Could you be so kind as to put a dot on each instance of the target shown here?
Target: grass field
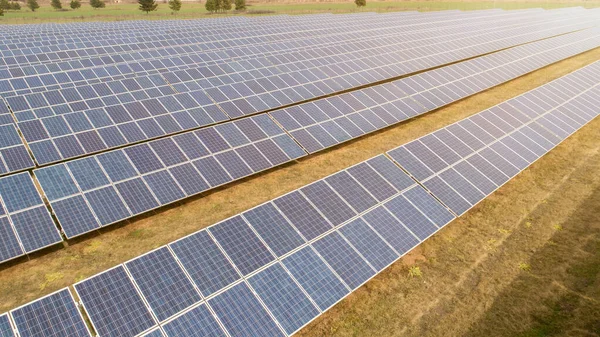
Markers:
(538, 232)
(116, 12)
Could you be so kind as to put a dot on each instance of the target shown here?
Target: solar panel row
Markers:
(330, 121)
(254, 274)
(120, 50)
(96, 191)
(76, 128)
(26, 79)
(25, 223)
(465, 162)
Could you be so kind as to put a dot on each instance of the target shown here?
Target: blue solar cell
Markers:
(410, 163)
(274, 229)
(240, 243)
(351, 267)
(44, 152)
(6, 329)
(253, 158)
(163, 283)
(35, 228)
(289, 146)
(168, 152)
(87, 173)
(322, 285)
(164, 187)
(462, 186)
(191, 145)
(429, 206)
(113, 304)
(55, 315)
(198, 322)
(18, 192)
(351, 191)
(116, 165)
(242, 314)
(447, 195)
(137, 195)
(372, 181)
(143, 158)
(107, 205)
(9, 247)
(391, 172)
(272, 152)
(205, 263)
(9, 136)
(282, 296)
(17, 158)
(189, 179)
(302, 215)
(369, 244)
(212, 171)
(74, 216)
(414, 220)
(328, 202)
(69, 147)
(233, 164)
(56, 182)
(392, 230)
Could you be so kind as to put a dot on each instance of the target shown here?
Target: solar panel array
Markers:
(330, 121)
(270, 270)
(96, 191)
(463, 163)
(297, 255)
(99, 190)
(72, 122)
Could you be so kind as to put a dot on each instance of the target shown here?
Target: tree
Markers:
(1, 12)
(4, 5)
(175, 5)
(97, 4)
(147, 5)
(15, 6)
(75, 4)
(56, 4)
(211, 5)
(360, 3)
(225, 5)
(240, 5)
(33, 5)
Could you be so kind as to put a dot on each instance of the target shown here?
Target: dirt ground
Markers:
(524, 262)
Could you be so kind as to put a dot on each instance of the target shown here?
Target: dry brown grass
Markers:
(391, 304)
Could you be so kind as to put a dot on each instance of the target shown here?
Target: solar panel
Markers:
(208, 267)
(53, 315)
(284, 298)
(346, 262)
(370, 245)
(114, 306)
(322, 285)
(6, 329)
(243, 247)
(273, 228)
(28, 225)
(242, 314)
(163, 283)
